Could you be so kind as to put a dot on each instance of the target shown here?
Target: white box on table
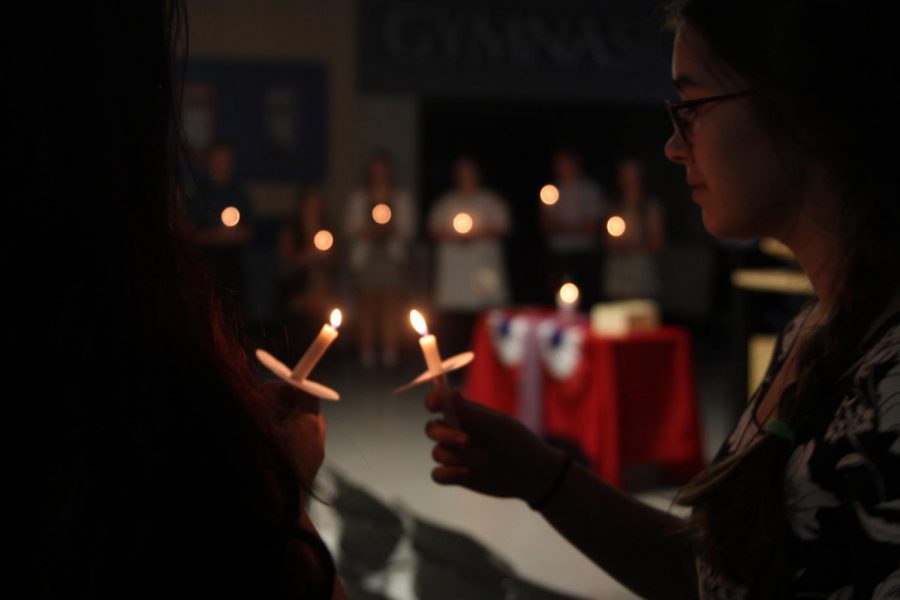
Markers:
(624, 317)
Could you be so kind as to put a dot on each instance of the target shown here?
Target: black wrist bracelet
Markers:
(544, 498)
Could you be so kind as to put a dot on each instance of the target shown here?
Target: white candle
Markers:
(316, 350)
(428, 343)
(429, 346)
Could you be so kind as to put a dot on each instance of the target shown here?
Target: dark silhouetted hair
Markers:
(146, 454)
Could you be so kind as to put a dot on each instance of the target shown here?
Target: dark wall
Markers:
(274, 113)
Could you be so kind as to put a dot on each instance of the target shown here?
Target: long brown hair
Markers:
(147, 454)
(826, 74)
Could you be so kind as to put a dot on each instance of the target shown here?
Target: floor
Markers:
(376, 440)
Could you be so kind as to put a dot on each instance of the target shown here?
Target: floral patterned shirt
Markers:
(842, 484)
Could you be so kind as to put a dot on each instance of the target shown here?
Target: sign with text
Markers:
(614, 50)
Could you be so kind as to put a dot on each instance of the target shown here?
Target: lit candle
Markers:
(381, 213)
(463, 223)
(323, 240)
(615, 226)
(567, 298)
(428, 343)
(231, 216)
(432, 355)
(313, 354)
(549, 194)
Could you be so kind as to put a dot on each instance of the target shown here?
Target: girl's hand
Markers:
(489, 452)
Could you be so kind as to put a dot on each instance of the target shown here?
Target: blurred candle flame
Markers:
(569, 293)
(336, 318)
(615, 226)
(463, 223)
(381, 213)
(549, 194)
(323, 240)
(231, 216)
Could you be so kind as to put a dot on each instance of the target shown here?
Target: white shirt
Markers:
(359, 213)
(470, 270)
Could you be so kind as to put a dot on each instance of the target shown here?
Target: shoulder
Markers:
(872, 406)
(882, 355)
(788, 337)
(746, 431)
(858, 456)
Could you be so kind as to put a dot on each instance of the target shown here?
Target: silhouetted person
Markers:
(380, 224)
(572, 226)
(155, 465)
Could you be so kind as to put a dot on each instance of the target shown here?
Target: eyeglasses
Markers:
(684, 113)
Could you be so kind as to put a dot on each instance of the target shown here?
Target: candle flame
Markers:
(615, 226)
(231, 216)
(569, 293)
(381, 213)
(549, 194)
(463, 223)
(418, 322)
(336, 318)
(323, 240)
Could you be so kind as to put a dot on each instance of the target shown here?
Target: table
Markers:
(630, 400)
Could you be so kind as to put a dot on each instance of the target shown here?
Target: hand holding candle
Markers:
(429, 346)
(437, 368)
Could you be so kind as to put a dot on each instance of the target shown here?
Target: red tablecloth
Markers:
(631, 400)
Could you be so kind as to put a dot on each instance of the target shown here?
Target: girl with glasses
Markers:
(784, 130)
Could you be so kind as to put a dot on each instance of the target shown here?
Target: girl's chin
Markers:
(724, 230)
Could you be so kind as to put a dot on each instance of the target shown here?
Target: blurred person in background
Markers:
(572, 225)
(308, 259)
(380, 225)
(632, 269)
(153, 464)
(468, 225)
(221, 212)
